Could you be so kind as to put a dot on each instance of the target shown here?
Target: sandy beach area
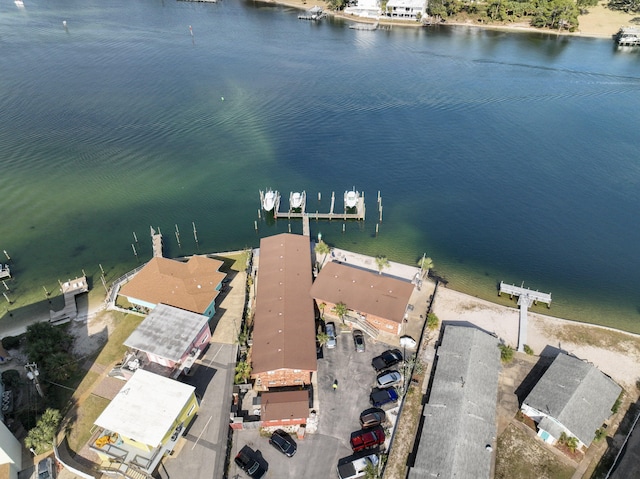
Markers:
(599, 22)
(614, 352)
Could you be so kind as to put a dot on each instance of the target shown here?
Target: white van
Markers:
(352, 467)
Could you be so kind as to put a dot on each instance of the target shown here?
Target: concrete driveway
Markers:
(338, 412)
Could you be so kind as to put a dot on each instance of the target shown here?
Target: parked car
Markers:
(388, 378)
(331, 332)
(358, 340)
(355, 466)
(248, 462)
(389, 358)
(372, 417)
(380, 397)
(45, 469)
(367, 438)
(283, 443)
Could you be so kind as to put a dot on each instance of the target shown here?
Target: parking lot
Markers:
(338, 412)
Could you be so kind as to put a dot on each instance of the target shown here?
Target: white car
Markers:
(331, 332)
(388, 378)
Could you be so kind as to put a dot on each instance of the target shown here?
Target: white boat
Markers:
(269, 200)
(19, 3)
(628, 36)
(296, 199)
(351, 198)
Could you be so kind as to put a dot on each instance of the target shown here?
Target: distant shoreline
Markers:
(598, 23)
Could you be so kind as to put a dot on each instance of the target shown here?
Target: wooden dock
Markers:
(526, 297)
(70, 290)
(156, 239)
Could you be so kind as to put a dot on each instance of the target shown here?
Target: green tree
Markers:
(371, 471)
(49, 347)
(340, 310)
(243, 372)
(382, 262)
(322, 338)
(432, 322)
(506, 353)
(336, 4)
(41, 437)
(572, 443)
(628, 6)
(321, 307)
(323, 249)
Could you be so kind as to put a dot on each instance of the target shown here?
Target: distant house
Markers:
(10, 454)
(406, 9)
(169, 337)
(144, 422)
(283, 352)
(458, 432)
(364, 8)
(573, 397)
(286, 408)
(192, 285)
(379, 299)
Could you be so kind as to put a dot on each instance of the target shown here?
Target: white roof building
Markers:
(146, 407)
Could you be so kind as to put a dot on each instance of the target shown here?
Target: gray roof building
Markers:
(572, 395)
(459, 428)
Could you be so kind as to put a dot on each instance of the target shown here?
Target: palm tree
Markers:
(322, 248)
(341, 310)
(382, 262)
(321, 306)
(322, 338)
(243, 372)
(425, 263)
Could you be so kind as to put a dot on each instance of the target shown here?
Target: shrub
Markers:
(11, 379)
(432, 322)
(528, 350)
(506, 353)
(11, 342)
(40, 438)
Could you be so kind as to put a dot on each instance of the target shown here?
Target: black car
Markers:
(246, 460)
(387, 359)
(379, 397)
(283, 443)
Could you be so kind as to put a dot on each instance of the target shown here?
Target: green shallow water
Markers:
(504, 157)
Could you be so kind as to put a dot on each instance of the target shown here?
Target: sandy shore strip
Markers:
(600, 22)
(614, 352)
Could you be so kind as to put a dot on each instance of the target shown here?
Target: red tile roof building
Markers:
(381, 300)
(283, 352)
(192, 285)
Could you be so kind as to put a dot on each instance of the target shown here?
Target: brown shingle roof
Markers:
(363, 291)
(284, 332)
(284, 405)
(191, 285)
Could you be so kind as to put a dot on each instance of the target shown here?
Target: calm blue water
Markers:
(503, 156)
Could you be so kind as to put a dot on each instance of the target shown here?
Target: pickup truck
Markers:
(379, 397)
(367, 438)
(353, 466)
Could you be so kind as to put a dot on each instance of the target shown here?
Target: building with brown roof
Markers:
(286, 408)
(283, 352)
(380, 300)
(192, 285)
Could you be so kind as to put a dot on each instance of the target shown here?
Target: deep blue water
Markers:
(503, 156)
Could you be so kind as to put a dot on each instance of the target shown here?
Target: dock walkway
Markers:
(156, 239)
(526, 297)
(70, 290)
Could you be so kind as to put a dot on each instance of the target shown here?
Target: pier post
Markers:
(178, 239)
(5, 285)
(319, 196)
(6, 297)
(135, 237)
(333, 202)
(380, 213)
(134, 252)
(195, 233)
(255, 225)
(343, 227)
(6, 254)
(46, 293)
(102, 270)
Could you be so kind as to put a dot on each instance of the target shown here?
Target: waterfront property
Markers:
(143, 423)
(283, 352)
(526, 297)
(380, 301)
(458, 432)
(193, 285)
(70, 289)
(364, 8)
(572, 397)
(170, 339)
(406, 9)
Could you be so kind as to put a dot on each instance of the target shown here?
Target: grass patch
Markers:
(596, 337)
(235, 262)
(520, 456)
(81, 427)
(114, 349)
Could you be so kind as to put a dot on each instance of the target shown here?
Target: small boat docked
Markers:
(296, 200)
(269, 200)
(351, 198)
(628, 36)
(5, 272)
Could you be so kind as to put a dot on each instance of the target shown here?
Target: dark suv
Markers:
(372, 417)
(283, 443)
(379, 397)
(246, 460)
(389, 358)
